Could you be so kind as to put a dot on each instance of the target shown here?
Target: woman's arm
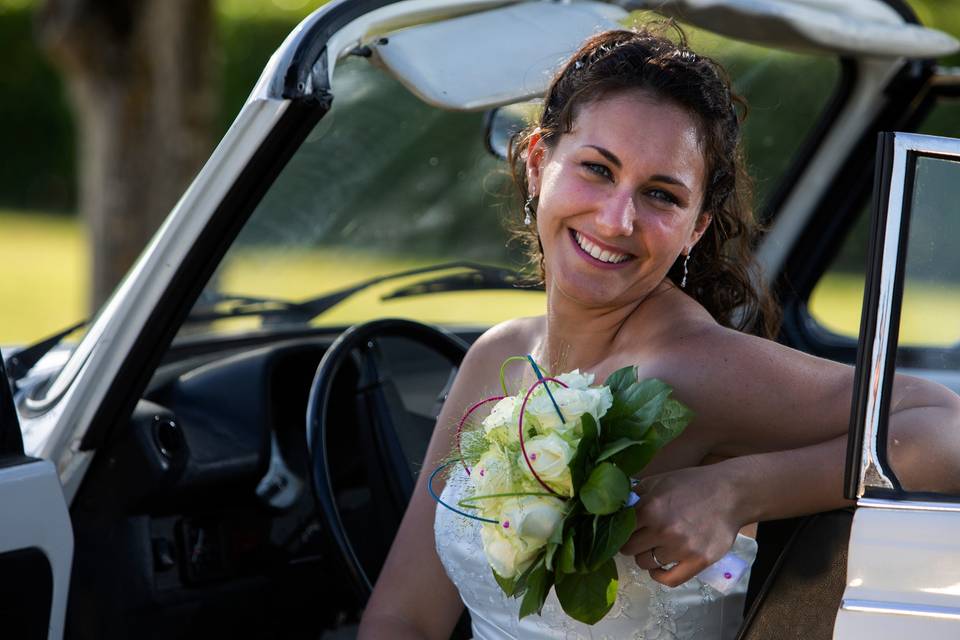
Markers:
(693, 515)
(413, 597)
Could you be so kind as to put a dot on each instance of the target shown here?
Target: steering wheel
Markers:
(378, 401)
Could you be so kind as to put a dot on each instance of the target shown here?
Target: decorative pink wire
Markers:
(464, 419)
(522, 446)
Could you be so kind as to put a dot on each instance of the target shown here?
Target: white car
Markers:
(228, 448)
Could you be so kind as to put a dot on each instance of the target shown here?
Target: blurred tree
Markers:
(140, 75)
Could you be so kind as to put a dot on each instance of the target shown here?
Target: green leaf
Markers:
(539, 582)
(634, 459)
(551, 551)
(585, 451)
(508, 585)
(589, 426)
(605, 491)
(567, 554)
(613, 531)
(587, 597)
(620, 379)
(615, 447)
(673, 419)
(522, 579)
(646, 396)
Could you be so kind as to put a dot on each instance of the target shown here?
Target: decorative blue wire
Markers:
(536, 370)
(433, 494)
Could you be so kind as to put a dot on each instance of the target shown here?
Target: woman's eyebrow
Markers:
(669, 180)
(615, 161)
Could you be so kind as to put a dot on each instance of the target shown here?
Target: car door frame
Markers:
(36, 539)
(898, 536)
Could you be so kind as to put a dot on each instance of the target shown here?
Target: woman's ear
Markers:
(535, 157)
(703, 221)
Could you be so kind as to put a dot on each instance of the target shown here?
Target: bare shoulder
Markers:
(751, 394)
(513, 337)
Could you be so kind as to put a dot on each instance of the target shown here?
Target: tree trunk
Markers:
(140, 75)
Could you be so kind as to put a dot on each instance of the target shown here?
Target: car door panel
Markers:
(36, 550)
(36, 538)
(903, 569)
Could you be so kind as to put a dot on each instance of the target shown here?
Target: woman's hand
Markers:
(690, 517)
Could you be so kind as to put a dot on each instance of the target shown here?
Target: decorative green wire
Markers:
(465, 502)
(503, 367)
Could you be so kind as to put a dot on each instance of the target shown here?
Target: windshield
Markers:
(386, 183)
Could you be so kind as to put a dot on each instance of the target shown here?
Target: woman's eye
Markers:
(598, 169)
(662, 194)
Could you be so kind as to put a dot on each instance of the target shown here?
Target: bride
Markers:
(637, 218)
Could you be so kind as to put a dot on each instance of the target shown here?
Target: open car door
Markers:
(903, 567)
(36, 539)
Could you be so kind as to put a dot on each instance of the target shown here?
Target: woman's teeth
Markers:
(602, 255)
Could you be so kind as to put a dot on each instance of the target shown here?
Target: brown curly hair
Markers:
(723, 273)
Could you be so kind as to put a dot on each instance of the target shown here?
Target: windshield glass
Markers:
(386, 183)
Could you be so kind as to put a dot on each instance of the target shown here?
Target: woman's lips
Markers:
(604, 253)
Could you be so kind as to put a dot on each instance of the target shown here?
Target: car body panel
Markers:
(903, 574)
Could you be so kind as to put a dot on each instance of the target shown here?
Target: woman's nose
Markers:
(617, 215)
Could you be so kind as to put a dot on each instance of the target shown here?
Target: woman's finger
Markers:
(641, 541)
(655, 559)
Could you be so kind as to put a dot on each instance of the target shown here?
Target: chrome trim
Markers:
(873, 474)
(901, 609)
(909, 505)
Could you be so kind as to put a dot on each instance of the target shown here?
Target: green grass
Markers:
(46, 282)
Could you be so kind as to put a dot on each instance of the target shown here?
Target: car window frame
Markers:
(868, 473)
(800, 328)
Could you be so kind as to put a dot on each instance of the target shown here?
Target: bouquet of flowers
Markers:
(549, 475)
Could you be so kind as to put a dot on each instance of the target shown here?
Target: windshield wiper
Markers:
(489, 278)
(478, 276)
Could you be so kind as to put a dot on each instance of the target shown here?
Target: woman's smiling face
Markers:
(620, 197)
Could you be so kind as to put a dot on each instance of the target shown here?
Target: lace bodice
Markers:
(644, 609)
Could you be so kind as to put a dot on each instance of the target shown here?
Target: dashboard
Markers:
(199, 515)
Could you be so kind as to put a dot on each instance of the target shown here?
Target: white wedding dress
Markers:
(644, 609)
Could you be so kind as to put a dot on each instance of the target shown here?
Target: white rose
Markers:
(576, 380)
(508, 555)
(550, 457)
(573, 403)
(491, 475)
(501, 425)
(532, 518)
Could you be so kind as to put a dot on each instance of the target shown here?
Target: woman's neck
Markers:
(583, 338)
